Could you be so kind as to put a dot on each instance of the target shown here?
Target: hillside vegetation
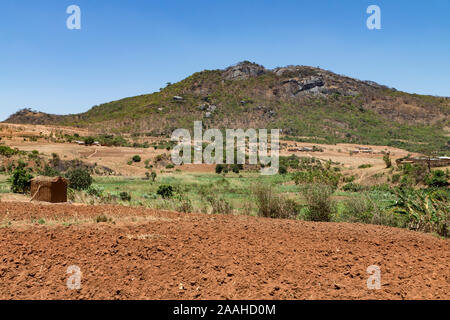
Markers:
(308, 104)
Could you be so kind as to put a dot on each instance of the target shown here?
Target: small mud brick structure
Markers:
(49, 189)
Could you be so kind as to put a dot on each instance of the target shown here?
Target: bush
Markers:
(282, 169)
(220, 205)
(50, 172)
(185, 206)
(270, 205)
(396, 178)
(358, 209)
(7, 151)
(89, 141)
(170, 166)
(125, 196)
(235, 168)
(352, 187)
(317, 175)
(426, 211)
(219, 168)
(165, 191)
(438, 178)
(103, 218)
(95, 191)
(20, 180)
(387, 160)
(136, 158)
(79, 179)
(319, 204)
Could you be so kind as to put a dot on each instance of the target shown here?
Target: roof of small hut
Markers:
(43, 179)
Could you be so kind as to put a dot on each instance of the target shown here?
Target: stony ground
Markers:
(147, 254)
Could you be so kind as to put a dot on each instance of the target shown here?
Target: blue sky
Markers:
(127, 48)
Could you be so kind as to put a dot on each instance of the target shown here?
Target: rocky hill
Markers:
(307, 103)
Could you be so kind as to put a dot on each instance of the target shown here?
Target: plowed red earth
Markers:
(145, 254)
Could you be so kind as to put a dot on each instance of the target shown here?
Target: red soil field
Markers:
(148, 254)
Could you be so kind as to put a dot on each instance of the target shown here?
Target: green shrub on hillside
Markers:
(125, 196)
(271, 205)
(387, 161)
(79, 179)
(437, 178)
(219, 205)
(165, 191)
(320, 206)
(7, 151)
(20, 180)
(427, 211)
(358, 209)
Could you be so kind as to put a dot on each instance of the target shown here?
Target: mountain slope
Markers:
(306, 102)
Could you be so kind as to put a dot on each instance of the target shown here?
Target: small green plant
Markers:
(102, 218)
(7, 151)
(89, 141)
(235, 168)
(50, 172)
(185, 206)
(165, 191)
(387, 160)
(219, 168)
(396, 178)
(95, 191)
(136, 158)
(219, 205)
(352, 187)
(437, 178)
(125, 196)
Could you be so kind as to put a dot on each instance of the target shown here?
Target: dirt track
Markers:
(162, 255)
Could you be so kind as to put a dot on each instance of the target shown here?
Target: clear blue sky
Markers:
(132, 47)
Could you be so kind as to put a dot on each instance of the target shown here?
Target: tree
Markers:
(136, 158)
(20, 180)
(79, 179)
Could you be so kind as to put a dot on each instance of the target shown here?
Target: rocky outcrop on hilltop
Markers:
(243, 70)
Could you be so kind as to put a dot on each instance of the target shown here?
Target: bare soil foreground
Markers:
(147, 254)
